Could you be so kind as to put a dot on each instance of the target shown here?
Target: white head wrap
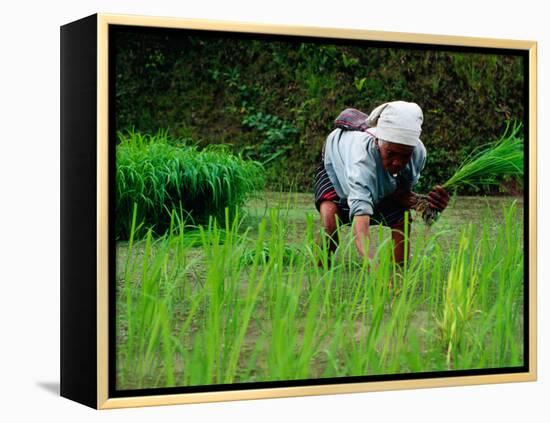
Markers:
(399, 122)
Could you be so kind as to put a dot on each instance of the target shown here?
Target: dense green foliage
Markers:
(160, 175)
(276, 101)
(243, 304)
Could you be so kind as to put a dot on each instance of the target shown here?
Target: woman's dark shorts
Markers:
(387, 213)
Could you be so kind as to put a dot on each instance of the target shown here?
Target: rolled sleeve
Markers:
(360, 208)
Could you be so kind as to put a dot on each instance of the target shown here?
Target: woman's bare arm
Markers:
(361, 232)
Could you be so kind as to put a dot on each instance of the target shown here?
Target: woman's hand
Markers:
(438, 198)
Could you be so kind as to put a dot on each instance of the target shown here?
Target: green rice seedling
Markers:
(480, 320)
(148, 289)
(160, 176)
(462, 281)
(504, 322)
(191, 311)
(486, 166)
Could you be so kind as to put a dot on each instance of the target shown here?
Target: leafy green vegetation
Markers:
(277, 135)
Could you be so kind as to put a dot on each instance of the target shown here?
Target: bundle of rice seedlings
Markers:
(486, 166)
(160, 175)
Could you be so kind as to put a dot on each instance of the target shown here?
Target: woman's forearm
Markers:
(361, 232)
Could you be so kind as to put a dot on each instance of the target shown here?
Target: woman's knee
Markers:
(328, 211)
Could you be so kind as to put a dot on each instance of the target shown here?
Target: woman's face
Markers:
(394, 156)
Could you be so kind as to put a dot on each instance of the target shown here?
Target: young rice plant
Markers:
(159, 176)
(191, 311)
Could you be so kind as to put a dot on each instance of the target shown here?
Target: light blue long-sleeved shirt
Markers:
(354, 166)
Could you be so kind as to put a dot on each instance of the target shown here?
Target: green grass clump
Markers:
(159, 176)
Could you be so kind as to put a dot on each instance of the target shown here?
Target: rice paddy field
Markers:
(254, 297)
(221, 274)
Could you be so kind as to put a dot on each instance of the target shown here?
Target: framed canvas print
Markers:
(255, 211)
